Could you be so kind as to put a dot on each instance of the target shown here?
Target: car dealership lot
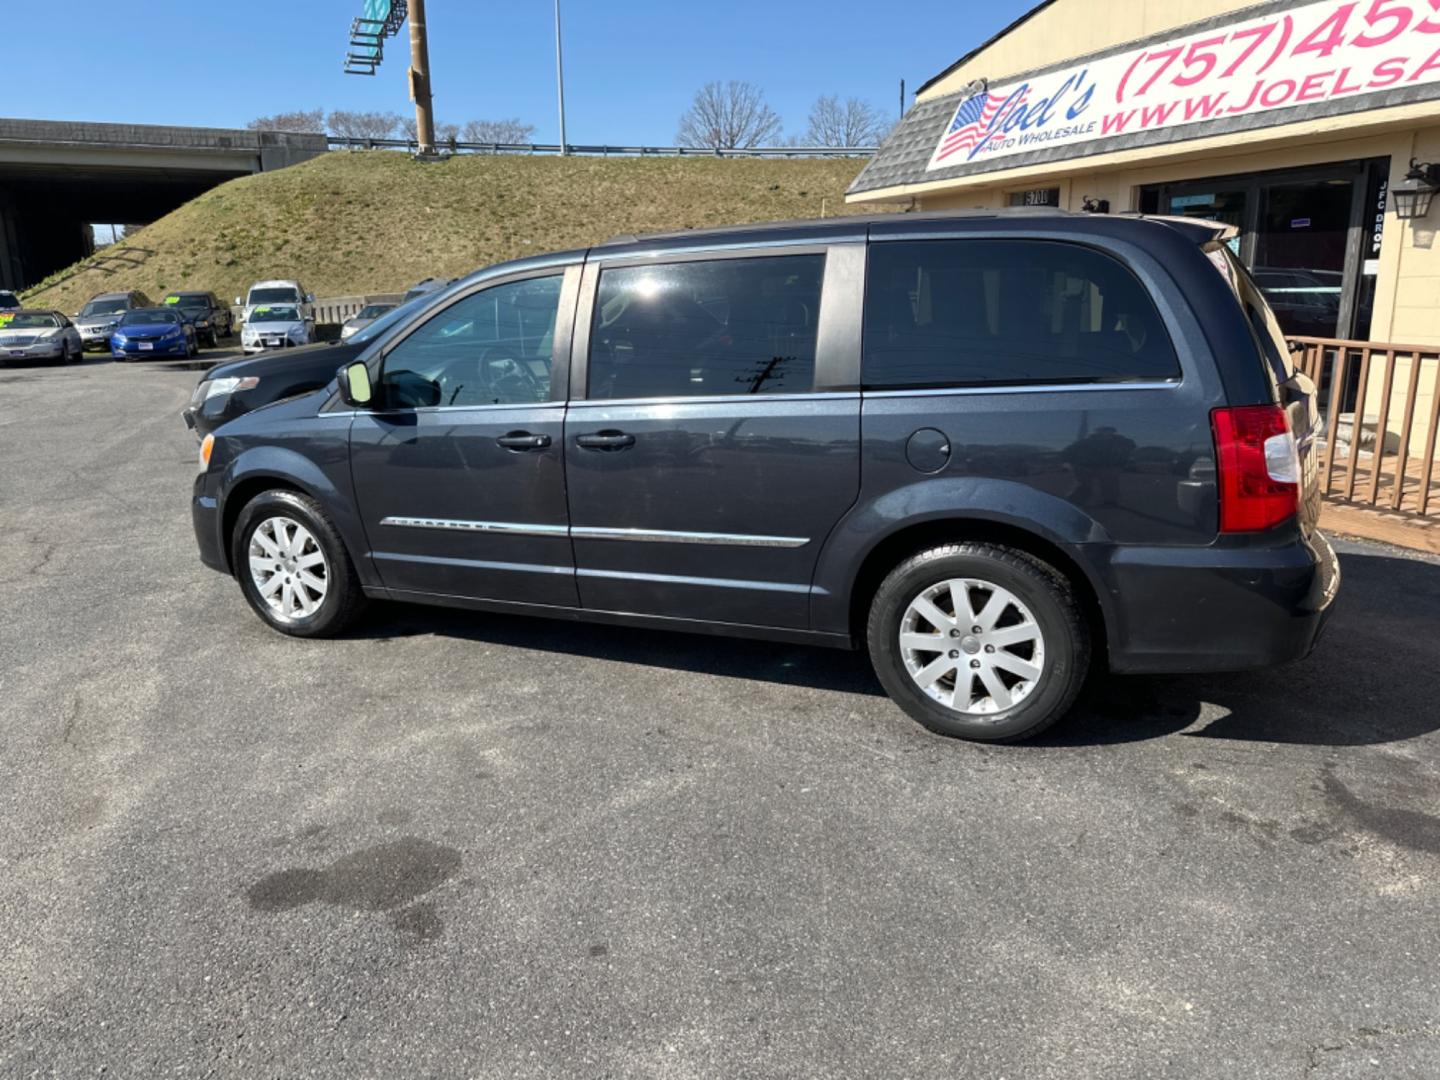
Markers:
(457, 844)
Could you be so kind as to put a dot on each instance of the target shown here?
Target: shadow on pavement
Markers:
(1370, 680)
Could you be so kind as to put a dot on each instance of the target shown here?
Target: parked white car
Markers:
(277, 292)
(276, 326)
(38, 335)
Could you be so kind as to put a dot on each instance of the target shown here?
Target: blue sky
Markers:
(631, 65)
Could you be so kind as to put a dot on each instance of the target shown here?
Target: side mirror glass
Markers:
(354, 381)
(309, 298)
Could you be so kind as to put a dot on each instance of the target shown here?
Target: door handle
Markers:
(523, 440)
(605, 440)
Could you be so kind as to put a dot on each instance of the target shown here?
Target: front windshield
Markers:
(374, 311)
(148, 318)
(275, 314)
(389, 319)
(32, 321)
(104, 307)
(189, 301)
(274, 296)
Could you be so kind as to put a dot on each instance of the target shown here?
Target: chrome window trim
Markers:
(1038, 388)
(717, 399)
(581, 532)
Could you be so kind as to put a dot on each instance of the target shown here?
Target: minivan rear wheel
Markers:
(293, 567)
(979, 641)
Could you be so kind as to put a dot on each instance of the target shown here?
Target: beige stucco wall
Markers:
(1070, 28)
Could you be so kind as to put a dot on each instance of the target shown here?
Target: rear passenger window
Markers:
(723, 326)
(978, 312)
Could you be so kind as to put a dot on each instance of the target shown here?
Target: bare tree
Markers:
(728, 116)
(306, 121)
(511, 131)
(849, 123)
(362, 125)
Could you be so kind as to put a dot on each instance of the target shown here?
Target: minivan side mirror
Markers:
(354, 381)
(239, 301)
(309, 298)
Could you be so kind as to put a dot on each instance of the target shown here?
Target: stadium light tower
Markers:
(382, 19)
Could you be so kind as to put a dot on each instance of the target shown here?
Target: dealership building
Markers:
(1297, 122)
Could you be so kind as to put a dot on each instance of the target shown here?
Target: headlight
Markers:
(221, 387)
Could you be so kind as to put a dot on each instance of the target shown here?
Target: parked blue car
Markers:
(150, 332)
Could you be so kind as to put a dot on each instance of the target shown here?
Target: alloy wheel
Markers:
(288, 568)
(972, 645)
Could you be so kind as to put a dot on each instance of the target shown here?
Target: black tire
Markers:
(344, 599)
(1047, 594)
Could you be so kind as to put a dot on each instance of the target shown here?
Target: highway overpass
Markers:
(56, 177)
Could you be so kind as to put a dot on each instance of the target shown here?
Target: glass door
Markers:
(1310, 236)
(1300, 250)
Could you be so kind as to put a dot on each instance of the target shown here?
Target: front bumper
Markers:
(33, 352)
(1181, 610)
(95, 339)
(205, 516)
(133, 349)
(250, 348)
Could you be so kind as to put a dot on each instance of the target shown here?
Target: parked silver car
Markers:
(367, 315)
(98, 318)
(38, 335)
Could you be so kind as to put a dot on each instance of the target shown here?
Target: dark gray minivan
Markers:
(992, 448)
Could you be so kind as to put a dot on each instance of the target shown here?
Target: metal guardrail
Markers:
(336, 309)
(338, 142)
(1380, 404)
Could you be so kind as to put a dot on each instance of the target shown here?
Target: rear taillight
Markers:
(1258, 467)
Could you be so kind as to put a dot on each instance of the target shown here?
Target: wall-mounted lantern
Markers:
(1411, 197)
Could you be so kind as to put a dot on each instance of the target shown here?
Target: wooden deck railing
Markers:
(1380, 405)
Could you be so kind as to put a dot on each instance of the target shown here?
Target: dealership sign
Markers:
(1316, 52)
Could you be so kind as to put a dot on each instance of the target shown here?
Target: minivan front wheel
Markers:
(293, 566)
(979, 641)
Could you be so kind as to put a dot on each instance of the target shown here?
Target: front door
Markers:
(704, 471)
(459, 470)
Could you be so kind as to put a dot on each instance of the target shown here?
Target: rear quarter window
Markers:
(942, 313)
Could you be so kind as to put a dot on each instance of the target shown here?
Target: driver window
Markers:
(491, 348)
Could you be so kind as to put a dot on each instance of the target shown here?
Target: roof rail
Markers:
(840, 220)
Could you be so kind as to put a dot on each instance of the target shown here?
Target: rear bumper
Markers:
(1180, 610)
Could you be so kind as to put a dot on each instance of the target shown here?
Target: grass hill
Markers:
(367, 222)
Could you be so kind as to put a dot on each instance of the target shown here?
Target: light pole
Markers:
(420, 79)
(560, 78)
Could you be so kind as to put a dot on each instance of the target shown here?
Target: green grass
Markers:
(367, 222)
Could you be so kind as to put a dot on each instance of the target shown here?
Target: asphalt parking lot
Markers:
(464, 845)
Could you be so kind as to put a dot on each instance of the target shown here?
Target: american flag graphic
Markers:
(970, 128)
